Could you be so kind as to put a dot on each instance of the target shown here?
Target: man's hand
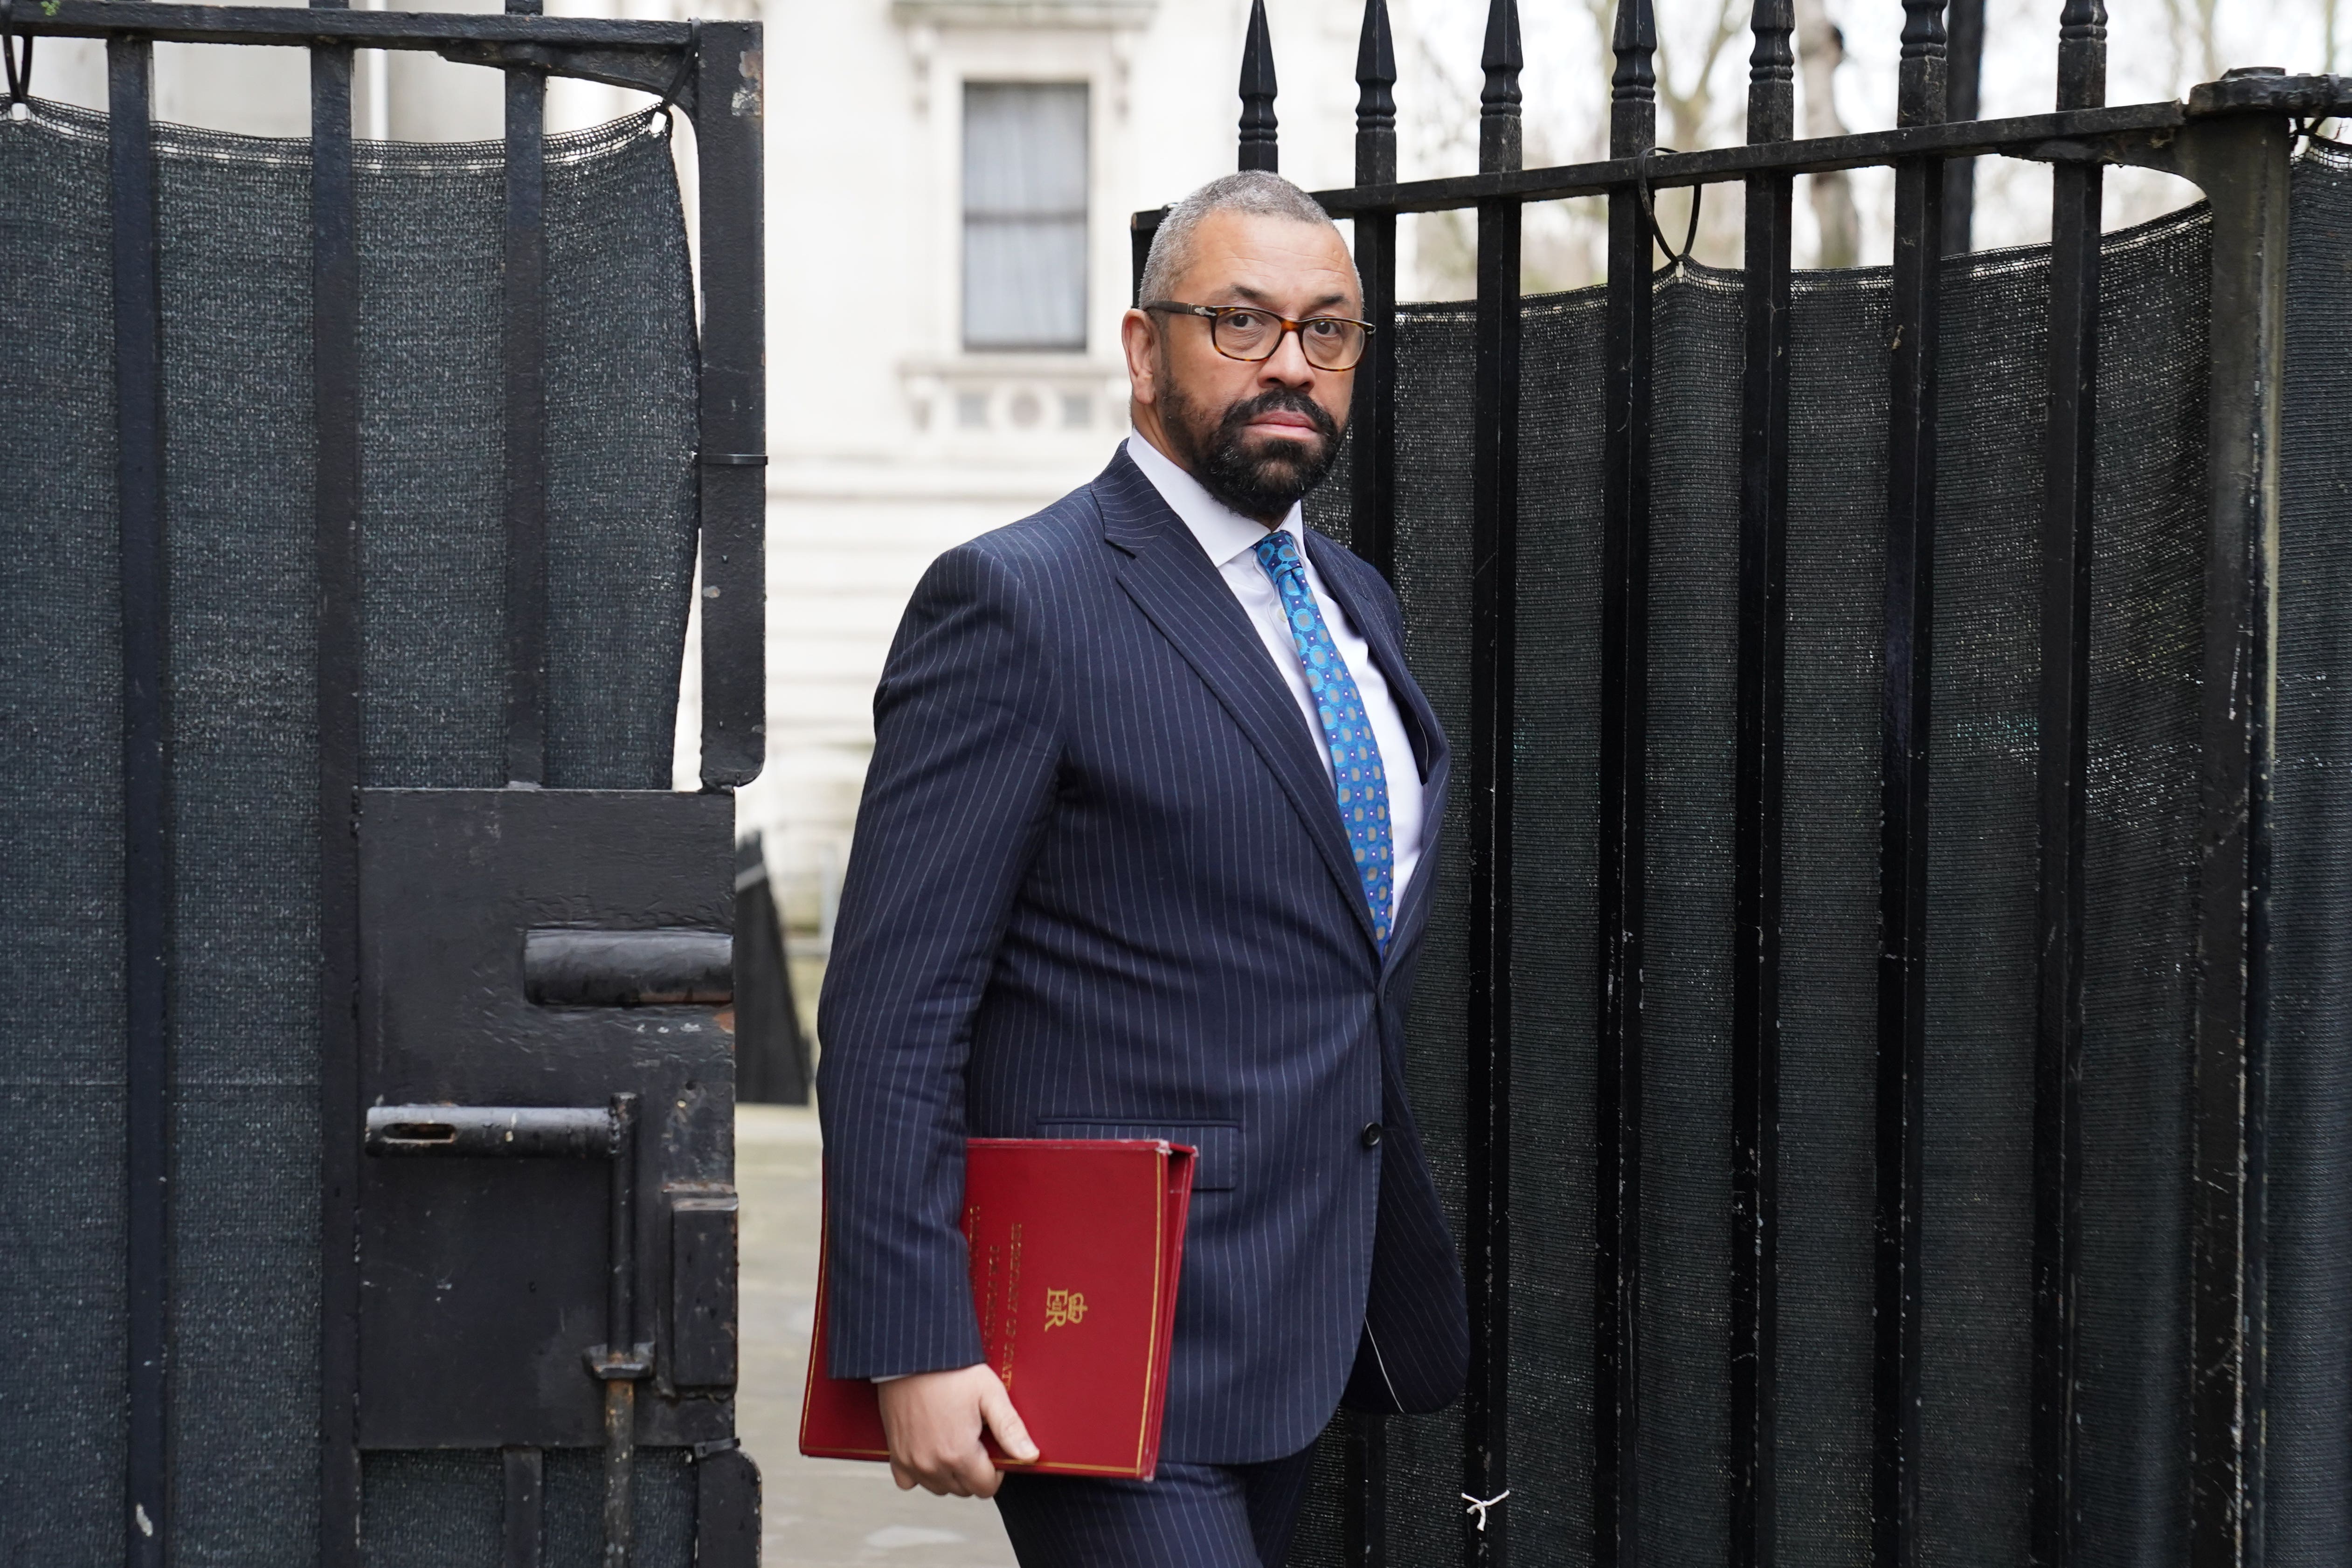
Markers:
(934, 1421)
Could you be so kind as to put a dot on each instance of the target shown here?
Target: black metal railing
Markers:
(2233, 139)
(710, 72)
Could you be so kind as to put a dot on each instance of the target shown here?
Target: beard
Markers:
(1264, 485)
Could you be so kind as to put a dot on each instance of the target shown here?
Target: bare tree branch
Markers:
(1604, 24)
(2195, 48)
(2328, 12)
(1690, 108)
(1821, 49)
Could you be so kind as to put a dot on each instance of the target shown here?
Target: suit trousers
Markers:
(1188, 1516)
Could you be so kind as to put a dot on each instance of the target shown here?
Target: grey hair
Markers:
(1255, 191)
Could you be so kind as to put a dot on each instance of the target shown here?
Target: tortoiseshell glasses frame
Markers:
(1248, 333)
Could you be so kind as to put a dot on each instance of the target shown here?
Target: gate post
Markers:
(2069, 469)
(1371, 510)
(1624, 749)
(2237, 147)
(2241, 163)
(1493, 606)
(728, 112)
(1259, 149)
(1756, 786)
(525, 347)
(335, 375)
(1903, 852)
(145, 574)
(1371, 533)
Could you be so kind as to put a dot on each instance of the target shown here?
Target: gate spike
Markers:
(2083, 55)
(1921, 98)
(1376, 75)
(1499, 103)
(1259, 150)
(1773, 73)
(1634, 85)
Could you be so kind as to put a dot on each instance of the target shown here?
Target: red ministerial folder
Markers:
(1076, 1248)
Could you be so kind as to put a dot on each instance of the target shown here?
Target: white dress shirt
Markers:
(1231, 543)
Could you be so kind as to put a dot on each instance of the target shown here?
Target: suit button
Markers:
(1372, 1134)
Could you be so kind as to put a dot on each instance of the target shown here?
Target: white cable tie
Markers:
(1479, 1507)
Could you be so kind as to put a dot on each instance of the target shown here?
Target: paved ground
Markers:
(820, 1513)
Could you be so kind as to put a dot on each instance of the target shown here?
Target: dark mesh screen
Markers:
(2147, 595)
(1977, 1235)
(1686, 1233)
(1828, 910)
(1977, 1240)
(235, 234)
(235, 222)
(1554, 1003)
(617, 304)
(61, 1015)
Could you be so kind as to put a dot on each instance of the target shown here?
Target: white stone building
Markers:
(949, 184)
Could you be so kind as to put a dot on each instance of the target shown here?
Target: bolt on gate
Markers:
(1922, 1249)
(523, 1213)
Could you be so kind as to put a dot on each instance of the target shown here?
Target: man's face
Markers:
(1258, 435)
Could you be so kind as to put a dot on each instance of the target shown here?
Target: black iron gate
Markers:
(525, 1240)
(1785, 1244)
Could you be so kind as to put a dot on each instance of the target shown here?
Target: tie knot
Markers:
(1277, 554)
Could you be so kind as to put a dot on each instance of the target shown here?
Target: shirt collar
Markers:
(1222, 532)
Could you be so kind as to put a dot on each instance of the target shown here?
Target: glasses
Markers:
(1246, 332)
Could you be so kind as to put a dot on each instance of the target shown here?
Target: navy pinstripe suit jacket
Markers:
(1100, 889)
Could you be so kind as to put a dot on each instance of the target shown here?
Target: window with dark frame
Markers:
(1024, 215)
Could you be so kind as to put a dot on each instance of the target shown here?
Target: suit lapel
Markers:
(1179, 591)
(1338, 575)
(1414, 911)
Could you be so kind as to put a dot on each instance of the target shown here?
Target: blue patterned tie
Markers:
(1355, 756)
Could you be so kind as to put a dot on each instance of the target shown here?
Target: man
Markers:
(1146, 851)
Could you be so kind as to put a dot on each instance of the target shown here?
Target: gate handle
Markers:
(512, 1131)
(571, 968)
